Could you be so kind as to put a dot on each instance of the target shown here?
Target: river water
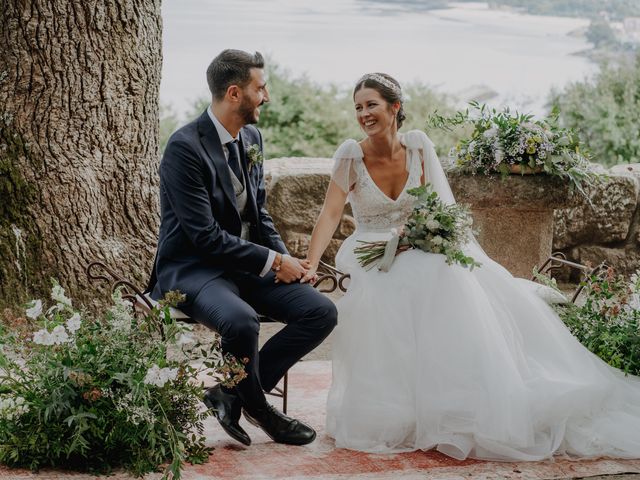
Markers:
(462, 50)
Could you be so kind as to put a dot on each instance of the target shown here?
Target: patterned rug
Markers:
(308, 385)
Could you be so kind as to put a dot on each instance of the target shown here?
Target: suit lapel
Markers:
(211, 142)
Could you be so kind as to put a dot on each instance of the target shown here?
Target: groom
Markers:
(218, 245)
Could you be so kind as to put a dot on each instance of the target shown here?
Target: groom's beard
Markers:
(247, 112)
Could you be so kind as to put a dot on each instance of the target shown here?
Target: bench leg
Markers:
(282, 392)
(285, 392)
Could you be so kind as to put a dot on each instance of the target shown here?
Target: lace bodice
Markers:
(372, 209)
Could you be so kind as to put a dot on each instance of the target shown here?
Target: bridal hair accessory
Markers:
(376, 77)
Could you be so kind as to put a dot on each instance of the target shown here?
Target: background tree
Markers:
(305, 119)
(605, 112)
(79, 83)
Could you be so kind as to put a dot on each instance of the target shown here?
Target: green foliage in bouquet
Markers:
(608, 321)
(106, 392)
(502, 140)
(433, 227)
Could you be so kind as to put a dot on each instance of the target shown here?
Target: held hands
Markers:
(288, 269)
(312, 272)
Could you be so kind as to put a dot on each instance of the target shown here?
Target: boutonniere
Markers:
(254, 154)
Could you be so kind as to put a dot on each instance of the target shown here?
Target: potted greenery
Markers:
(508, 142)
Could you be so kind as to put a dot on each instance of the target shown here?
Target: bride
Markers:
(429, 355)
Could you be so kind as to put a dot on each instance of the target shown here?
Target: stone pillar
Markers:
(514, 215)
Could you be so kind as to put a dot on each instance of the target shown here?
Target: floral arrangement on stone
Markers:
(505, 142)
(432, 226)
(112, 391)
(606, 319)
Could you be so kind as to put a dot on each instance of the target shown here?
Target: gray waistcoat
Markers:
(241, 202)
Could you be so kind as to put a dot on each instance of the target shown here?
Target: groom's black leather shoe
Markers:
(279, 427)
(226, 408)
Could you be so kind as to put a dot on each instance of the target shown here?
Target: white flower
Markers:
(185, 339)
(42, 337)
(437, 240)
(57, 294)
(492, 132)
(12, 408)
(120, 313)
(35, 309)
(159, 376)
(59, 335)
(73, 324)
(433, 224)
(634, 302)
(136, 414)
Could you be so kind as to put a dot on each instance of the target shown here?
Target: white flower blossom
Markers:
(121, 313)
(59, 335)
(432, 224)
(498, 155)
(12, 408)
(42, 337)
(136, 414)
(35, 309)
(57, 294)
(159, 376)
(492, 132)
(437, 240)
(73, 324)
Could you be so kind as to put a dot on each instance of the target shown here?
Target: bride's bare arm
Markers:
(325, 227)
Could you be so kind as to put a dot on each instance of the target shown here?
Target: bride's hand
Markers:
(311, 276)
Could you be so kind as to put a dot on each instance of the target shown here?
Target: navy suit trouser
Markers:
(230, 305)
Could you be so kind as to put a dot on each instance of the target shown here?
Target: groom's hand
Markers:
(290, 270)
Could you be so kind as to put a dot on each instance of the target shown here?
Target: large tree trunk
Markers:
(79, 83)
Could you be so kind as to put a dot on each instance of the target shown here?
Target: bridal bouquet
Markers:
(433, 227)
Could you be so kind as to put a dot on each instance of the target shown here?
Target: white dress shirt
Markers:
(225, 137)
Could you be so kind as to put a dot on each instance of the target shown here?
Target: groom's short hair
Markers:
(231, 67)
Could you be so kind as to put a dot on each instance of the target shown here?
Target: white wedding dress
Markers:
(474, 364)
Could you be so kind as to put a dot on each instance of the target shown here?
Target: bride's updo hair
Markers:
(388, 88)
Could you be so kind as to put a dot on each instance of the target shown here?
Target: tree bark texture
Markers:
(79, 82)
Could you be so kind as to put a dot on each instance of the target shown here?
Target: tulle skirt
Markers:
(473, 364)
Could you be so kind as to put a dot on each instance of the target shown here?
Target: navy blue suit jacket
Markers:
(200, 225)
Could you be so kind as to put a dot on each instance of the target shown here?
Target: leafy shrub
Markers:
(305, 119)
(101, 393)
(608, 322)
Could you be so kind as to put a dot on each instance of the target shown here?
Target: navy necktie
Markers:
(234, 159)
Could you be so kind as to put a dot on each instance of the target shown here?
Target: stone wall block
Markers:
(623, 260)
(347, 227)
(298, 246)
(296, 189)
(608, 219)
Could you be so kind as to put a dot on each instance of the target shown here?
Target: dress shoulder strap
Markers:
(345, 162)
